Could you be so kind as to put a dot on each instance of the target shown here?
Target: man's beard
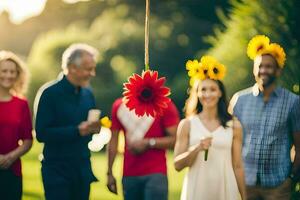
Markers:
(271, 79)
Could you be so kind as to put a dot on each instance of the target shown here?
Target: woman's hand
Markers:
(7, 160)
(205, 144)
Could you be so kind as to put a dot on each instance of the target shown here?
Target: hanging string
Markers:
(147, 35)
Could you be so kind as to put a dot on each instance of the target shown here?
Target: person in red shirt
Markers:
(146, 141)
(15, 124)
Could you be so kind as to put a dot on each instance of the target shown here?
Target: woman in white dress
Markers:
(210, 128)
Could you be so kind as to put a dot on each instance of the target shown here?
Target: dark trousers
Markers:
(281, 192)
(10, 185)
(149, 187)
(64, 181)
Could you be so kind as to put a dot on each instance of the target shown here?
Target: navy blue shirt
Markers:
(61, 108)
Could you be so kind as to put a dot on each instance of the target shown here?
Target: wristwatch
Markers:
(152, 142)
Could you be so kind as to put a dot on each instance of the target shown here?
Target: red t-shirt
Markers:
(15, 125)
(153, 160)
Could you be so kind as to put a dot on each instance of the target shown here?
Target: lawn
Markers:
(32, 181)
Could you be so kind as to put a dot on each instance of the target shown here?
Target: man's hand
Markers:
(87, 128)
(112, 184)
(138, 146)
(7, 160)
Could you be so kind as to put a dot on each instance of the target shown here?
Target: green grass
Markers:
(32, 180)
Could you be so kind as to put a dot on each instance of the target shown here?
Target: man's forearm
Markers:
(112, 150)
(111, 159)
(166, 142)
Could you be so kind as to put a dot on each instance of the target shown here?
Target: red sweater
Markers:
(15, 125)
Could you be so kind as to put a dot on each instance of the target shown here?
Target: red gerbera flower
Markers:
(146, 94)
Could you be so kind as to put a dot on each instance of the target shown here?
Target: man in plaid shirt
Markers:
(270, 116)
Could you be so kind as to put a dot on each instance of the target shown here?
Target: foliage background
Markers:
(179, 30)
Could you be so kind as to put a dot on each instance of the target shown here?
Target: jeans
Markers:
(149, 187)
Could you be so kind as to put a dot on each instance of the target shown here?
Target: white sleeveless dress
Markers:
(213, 179)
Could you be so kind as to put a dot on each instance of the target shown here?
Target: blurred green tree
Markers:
(118, 33)
(276, 19)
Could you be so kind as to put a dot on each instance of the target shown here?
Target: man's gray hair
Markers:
(73, 54)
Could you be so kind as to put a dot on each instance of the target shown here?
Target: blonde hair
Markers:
(20, 86)
(191, 103)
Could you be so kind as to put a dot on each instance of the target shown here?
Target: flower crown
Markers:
(260, 45)
(208, 67)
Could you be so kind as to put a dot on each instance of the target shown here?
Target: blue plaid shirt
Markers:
(267, 129)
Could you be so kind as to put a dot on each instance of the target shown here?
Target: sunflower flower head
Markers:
(146, 94)
(208, 67)
(260, 45)
(257, 46)
(217, 71)
(208, 60)
(193, 68)
(278, 53)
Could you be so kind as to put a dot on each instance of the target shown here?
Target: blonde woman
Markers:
(208, 140)
(15, 124)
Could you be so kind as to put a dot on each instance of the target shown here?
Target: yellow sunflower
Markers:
(208, 61)
(217, 71)
(203, 73)
(278, 53)
(257, 46)
(193, 67)
(208, 67)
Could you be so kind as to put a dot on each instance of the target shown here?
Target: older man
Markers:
(61, 124)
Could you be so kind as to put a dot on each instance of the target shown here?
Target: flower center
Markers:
(260, 47)
(146, 94)
(205, 71)
(215, 70)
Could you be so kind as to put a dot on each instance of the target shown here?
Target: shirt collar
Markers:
(257, 92)
(276, 92)
(69, 87)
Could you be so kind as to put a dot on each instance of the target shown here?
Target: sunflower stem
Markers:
(206, 155)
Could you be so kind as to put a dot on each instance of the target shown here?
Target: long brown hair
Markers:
(193, 106)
